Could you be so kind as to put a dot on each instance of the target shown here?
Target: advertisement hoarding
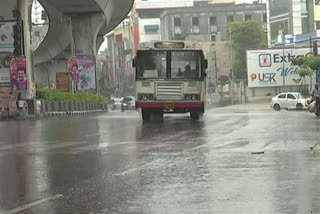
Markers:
(273, 68)
(18, 74)
(82, 70)
(6, 36)
(62, 82)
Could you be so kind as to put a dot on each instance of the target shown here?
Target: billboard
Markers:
(269, 67)
(6, 36)
(62, 82)
(18, 74)
(82, 70)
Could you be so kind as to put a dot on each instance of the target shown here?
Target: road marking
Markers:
(33, 204)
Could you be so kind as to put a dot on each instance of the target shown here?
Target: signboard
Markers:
(265, 67)
(18, 74)
(82, 69)
(6, 36)
(62, 82)
(4, 75)
(289, 39)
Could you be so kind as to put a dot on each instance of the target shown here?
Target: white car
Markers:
(289, 100)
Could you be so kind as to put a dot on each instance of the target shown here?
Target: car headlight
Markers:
(188, 97)
(145, 97)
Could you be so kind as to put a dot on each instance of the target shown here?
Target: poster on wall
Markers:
(18, 74)
(62, 83)
(6, 36)
(5, 68)
(82, 69)
(272, 67)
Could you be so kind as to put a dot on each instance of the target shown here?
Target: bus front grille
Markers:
(169, 91)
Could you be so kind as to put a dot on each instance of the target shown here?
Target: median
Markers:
(52, 102)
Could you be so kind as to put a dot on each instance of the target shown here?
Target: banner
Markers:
(6, 36)
(5, 68)
(18, 74)
(272, 67)
(82, 69)
(62, 82)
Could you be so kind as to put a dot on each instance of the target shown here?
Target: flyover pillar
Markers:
(24, 7)
(85, 30)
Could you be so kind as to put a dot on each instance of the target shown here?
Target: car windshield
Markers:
(117, 101)
(300, 96)
(127, 99)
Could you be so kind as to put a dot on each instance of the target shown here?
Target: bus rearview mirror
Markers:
(134, 63)
(205, 64)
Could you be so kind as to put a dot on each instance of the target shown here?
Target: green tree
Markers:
(308, 65)
(245, 35)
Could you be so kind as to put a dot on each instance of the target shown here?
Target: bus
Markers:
(170, 78)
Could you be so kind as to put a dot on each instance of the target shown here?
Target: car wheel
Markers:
(299, 107)
(276, 107)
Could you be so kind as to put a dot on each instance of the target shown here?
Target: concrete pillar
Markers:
(25, 8)
(85, 30)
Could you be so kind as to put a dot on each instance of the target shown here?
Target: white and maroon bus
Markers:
(170, 78)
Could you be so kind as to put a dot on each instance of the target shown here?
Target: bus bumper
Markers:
(172, 106)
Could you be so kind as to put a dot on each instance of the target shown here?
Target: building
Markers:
(145, 18)
(289, 17)
(37, 13)
(211, 20)
(317, 18)
(208, 25)
(115, 63)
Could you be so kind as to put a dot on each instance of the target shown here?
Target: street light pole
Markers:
(231, 69)
(283, 63)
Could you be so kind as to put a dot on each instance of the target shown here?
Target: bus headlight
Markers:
(145, 97)
(192, 97)
(188, 97)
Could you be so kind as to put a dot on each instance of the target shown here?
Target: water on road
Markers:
(239, 159)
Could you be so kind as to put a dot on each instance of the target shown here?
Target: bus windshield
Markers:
(152, 64)
(185, 64)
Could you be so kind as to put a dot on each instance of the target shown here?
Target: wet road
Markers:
(236, 160)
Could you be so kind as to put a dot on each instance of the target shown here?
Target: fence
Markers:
(51, 108)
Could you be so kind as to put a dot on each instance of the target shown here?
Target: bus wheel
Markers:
(159, 115)
(195, 115)
(145, 115)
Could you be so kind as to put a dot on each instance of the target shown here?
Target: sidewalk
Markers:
(250, 106)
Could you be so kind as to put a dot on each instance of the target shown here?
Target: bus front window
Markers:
(152, 65)
(185, 65)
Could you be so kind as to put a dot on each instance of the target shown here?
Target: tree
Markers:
(308, 65)
(245, 35)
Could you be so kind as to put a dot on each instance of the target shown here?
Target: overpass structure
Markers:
(75, 26)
